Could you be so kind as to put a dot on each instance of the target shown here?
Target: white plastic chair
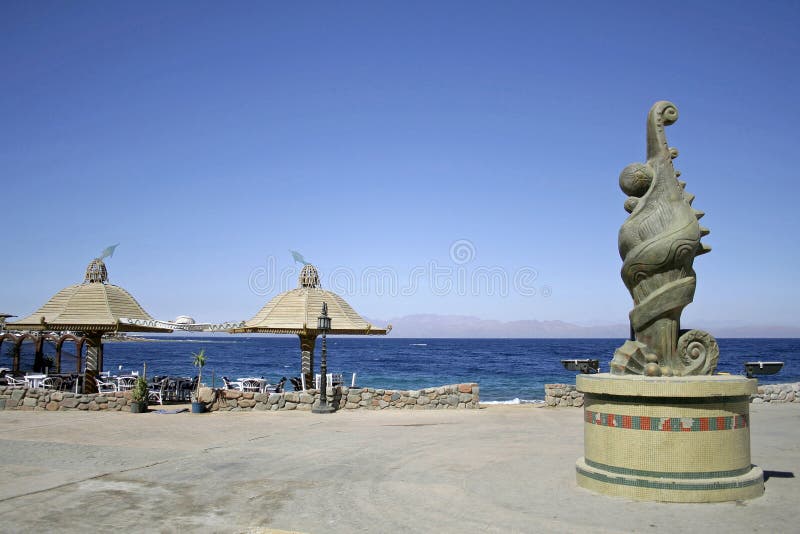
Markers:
(275, 388)
(105, 387)
(317, 378)
(231, 384)
(126, 383)
(155, 392)
(52, 382)
(251, 386)
(15, 383)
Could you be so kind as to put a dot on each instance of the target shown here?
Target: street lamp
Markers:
(323, 325)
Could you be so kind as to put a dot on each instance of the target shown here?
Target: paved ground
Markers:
(501, 469)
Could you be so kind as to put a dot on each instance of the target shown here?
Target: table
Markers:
(34, 381)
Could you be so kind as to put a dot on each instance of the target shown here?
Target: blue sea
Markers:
(508, 370)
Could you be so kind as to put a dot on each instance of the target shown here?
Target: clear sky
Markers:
(427, 145)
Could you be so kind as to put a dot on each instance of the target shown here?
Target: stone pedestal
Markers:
(677, 439)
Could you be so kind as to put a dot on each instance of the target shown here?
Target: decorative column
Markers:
(38, 354)
(16, 354)
(94, 361)
(307, 342)
(59, 344)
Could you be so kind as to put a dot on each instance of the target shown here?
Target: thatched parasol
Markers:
(91, 308)
(296, 311)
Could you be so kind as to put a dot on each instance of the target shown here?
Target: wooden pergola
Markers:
(82, 313)
(296, 311)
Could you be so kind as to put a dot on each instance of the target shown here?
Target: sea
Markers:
(511, 371)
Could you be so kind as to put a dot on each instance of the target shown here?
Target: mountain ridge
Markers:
(428, 325)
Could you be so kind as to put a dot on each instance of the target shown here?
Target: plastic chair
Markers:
(329, 376)
(156, 391)
(231, 384)
(186, 388)
(277, 388)
(126, 383)
(297, 383)
(252, 386)
(52, 382)
(105, 387)
(15, 383)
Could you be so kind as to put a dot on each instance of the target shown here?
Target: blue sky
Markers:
(380, 138)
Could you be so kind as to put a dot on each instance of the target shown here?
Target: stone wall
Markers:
(777, 393)
(47, 399)
(444, 397)
(567, 395)
(562, 395)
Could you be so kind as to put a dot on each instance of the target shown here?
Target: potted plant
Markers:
(199, 361)
(139, 395)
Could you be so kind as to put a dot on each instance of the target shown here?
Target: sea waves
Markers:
(515, 401)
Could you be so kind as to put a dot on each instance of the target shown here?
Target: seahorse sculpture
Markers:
(658, 243)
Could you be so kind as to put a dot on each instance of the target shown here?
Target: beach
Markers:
(497, 469)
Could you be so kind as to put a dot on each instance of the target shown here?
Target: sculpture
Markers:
(658, 243)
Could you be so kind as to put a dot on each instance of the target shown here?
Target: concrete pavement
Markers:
(497, 469)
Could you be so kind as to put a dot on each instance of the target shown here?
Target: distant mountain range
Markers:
(464, 326)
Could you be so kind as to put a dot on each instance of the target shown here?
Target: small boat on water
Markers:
(762, 368)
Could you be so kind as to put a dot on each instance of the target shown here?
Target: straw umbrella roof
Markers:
(296, 311)
(93, 306)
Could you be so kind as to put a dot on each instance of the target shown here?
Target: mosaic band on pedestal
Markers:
(667, 438)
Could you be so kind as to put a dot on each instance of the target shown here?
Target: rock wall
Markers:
(777, 393)
(562, 395)
(341, 398)
(345, 398)
(444, 397)
(47, 399)
(567, 395)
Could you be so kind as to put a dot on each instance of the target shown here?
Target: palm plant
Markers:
(199, 361)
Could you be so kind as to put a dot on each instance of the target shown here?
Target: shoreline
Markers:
(137, 339)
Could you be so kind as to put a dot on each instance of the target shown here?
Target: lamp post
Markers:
(323, 325)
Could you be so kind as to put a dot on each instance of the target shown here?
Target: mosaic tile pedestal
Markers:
(676, 439)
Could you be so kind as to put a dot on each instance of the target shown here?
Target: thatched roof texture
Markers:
(93, 306)
(296, 311)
